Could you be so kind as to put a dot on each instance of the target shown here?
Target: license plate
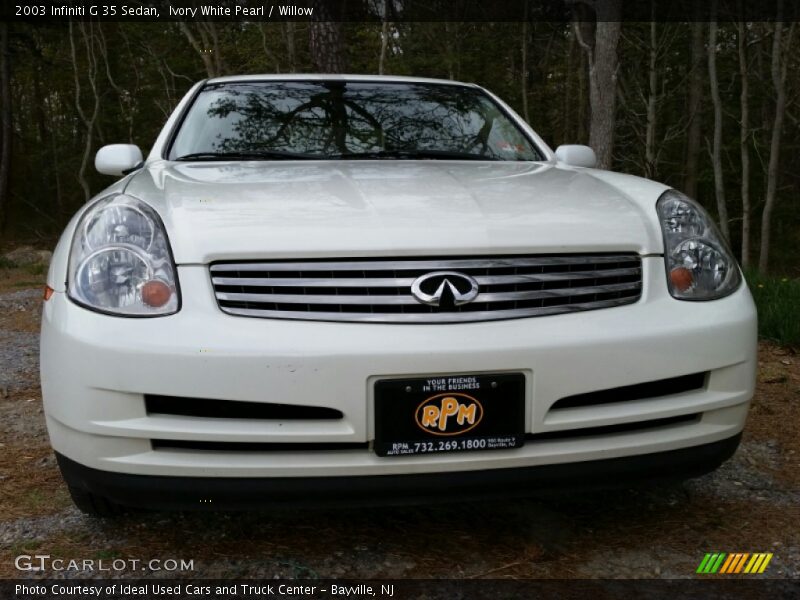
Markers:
(449, 413)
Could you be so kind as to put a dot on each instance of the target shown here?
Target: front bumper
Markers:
(178, 493)
(96, 370)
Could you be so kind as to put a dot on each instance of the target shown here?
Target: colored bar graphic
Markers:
(740, 564)
(711, 563)
(718, 563)
(727, 564)
(735, 562)
(764, 564)
(754, 563)
(703, 563)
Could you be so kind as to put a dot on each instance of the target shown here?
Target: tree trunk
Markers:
(694, 135)
(524, 78)
(566, 107)
(652, 98)
(583, 136)
(384, 46)
(385, 32)
(288, 40)
(88, 119)
(779, 83)
(267, 52)
(448, 51)
(603, 92)
(326, 42)
(601, 52)
(327, 50)
(205, 56)
(5, 121)
(211, 28)
(203, 47)
(716, 152)
(744, 141)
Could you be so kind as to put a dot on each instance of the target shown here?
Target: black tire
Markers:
(94, 505)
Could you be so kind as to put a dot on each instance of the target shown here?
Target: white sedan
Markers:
(322, 288)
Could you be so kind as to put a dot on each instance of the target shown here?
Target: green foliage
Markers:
(778, 302)
(37, 269)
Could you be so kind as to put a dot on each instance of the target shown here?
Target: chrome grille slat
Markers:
(466, 317)
(316, 299)
(398, 265)
(557, 293)
(407, 281)
(379, 291)
(313, 282)
(390, 300)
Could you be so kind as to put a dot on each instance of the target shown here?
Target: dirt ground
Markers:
(751, 504)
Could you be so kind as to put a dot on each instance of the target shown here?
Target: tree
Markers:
(744, 141)
(5, 120)
(778, 71)
(204, 38)
(524, 79)
(694, 132)
(716, 151)
(385, 33)
(652, 99)
(89, 117)
(326, 41)
(601, 52)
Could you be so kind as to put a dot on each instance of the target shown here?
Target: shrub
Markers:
(778, 302)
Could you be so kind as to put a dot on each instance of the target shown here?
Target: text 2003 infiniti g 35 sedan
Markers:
(331, 288)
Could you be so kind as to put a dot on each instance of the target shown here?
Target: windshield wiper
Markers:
(414, 155)
(260, 155)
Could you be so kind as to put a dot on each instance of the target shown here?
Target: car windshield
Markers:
(334, 119)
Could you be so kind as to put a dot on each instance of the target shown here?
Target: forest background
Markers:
(708, 107)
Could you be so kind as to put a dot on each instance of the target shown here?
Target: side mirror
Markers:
(117, 159)
(576, 155)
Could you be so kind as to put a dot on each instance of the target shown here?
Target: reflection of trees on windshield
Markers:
(338, 118)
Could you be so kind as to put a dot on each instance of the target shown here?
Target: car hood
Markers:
(239, 210)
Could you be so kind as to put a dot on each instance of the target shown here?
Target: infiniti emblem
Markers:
(445, 289)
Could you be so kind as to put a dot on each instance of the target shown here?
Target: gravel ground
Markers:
(19, 350)
(751, 504)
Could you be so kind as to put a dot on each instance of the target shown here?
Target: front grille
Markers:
(235, 409)
(562, 435)
(202, 446)
(379, 290)
(637, 426)
(639, 391)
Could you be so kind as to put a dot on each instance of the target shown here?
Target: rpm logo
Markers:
(452, 413)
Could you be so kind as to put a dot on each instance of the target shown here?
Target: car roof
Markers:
(335, 77)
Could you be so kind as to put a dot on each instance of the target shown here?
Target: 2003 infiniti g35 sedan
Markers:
(334, 288)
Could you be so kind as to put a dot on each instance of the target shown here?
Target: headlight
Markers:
(120, 261)
(699, 264)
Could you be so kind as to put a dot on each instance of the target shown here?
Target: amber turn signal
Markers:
(48, 291)
(681, 278)
(156, 293)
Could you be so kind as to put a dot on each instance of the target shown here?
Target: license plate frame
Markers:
(417, 416)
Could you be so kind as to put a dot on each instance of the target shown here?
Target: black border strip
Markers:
(420, 10)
